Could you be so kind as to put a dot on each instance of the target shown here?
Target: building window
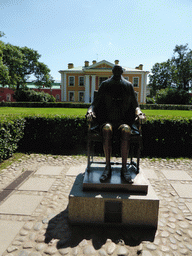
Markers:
(81, 96)
(136, 81)
(101, 79)
(8, 97)
(57, 97)
(81, 81)
(71, 96)
(71, 80)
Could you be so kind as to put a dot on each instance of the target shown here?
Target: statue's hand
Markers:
(90, 115)
(141, 117)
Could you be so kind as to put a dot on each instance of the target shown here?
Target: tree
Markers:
(4, 72)
(182, 62)
(175, 72)
(32, 66)
(172, 96)
(18, 64)
(161, 76)
(2, 34)
(13, 59)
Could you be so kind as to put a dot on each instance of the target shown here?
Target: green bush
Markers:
(150, 100)
(167, 137)
(172, 96)
(45, 104)
(11, 132)
(86, 105)
(53, 134)
(162, 137)
(28, 95)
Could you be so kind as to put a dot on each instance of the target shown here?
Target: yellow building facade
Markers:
(79, 83)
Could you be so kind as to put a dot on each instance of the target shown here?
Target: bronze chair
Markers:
(96, 137)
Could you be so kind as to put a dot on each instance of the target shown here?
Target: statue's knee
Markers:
(125, 128)
(107, 131)
(107, 127)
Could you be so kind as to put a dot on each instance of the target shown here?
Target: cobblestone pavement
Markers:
(46, 230)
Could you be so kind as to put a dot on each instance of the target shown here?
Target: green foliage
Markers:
(11, 132)
(150, 100)
(53, 134)
(160, 77)
(32, 96)
(58, 134)
(17, 64)
(4, 72)
(162, 137)
(182, 63)
(172, 96)
(167, 137)
(175, 72)
(45, 104)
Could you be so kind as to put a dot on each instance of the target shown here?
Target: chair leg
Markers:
(92, 151)
(88, 154)
(138, 157)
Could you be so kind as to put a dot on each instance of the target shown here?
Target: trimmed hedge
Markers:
(167, 137)
(11, 132)
(162, 137)
(53, 134)
(86, 105)
(45, 104)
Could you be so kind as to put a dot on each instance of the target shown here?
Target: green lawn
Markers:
(82, 111)
(36, 111)
(159, 112)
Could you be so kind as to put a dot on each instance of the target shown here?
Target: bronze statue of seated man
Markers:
(115, 109)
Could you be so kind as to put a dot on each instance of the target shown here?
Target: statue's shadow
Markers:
(69, 235)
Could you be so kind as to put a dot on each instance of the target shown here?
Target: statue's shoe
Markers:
(126, 175)
(106, 174)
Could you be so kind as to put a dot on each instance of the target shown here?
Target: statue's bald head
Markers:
(117, 70)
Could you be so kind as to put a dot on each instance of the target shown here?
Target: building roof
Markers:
(100, 66)
(31, 85)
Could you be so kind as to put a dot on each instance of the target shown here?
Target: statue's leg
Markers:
(107, 132)
(125, 141)
(125, 145)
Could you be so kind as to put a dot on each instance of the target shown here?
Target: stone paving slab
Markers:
(189, 205)
(50, 170)
(149, 173)
(176, 175)
(183, 190)
(37, 184)
(74, 170)
(20, 204)
(8, 231)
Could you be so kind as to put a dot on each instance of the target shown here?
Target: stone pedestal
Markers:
(112, 207)
(92, 182)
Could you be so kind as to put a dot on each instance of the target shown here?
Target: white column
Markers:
(142, 89)
(64, 87)
(145, 88)
(87, 88)
(93, 87)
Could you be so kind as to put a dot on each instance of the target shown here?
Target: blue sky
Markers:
(132, 31)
